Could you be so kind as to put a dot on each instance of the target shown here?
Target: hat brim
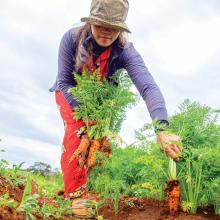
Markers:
(97, 21)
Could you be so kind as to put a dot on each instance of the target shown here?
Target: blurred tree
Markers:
(40, 167)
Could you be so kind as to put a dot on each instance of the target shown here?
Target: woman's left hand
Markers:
(170, 143)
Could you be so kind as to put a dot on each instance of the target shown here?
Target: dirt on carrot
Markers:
(173, 190)
(105, 147)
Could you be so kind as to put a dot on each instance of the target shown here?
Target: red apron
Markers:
(74, 177)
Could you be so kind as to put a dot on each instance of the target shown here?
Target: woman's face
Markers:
(104, 36)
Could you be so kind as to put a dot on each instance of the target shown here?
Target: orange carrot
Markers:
(105, 147)
(174, 197)
(82, 148)
(94, 148)
(107, 154)
(101, 145)
(105, 144)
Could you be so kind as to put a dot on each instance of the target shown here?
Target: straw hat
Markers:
(109, 13)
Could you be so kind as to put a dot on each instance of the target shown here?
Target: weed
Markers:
(95, 210)
(64, 207)
(28, 204)
(5, 201)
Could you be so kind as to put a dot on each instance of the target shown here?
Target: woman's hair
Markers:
(83, 51)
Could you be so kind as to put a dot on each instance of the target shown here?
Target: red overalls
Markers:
(75, 178)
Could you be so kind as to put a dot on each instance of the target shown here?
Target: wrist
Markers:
(160, 126)
(159, 133)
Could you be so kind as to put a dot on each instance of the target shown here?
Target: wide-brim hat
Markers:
(109, 13)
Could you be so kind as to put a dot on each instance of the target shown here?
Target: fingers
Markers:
(170, 152)
(171, 144)
(177, 138)
(173, 152)
(176, 149)
(162, 147)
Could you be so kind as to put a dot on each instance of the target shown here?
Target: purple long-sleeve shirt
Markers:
(121, 58)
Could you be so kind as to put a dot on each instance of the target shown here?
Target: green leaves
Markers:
(6, 201)
(104, 102)
(191, 185)
(28, 203)
(64, 207)
(197, 125)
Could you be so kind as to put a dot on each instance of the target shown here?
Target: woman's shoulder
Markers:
(128, 49)
(120, 48)
(71, 34)
(129, 54)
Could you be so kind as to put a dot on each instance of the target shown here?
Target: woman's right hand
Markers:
(170, 144)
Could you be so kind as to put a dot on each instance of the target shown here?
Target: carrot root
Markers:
(174, 196)
(82, 149)
(94, 148)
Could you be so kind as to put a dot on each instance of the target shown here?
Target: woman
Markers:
(101, 43)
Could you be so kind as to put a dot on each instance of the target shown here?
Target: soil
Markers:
(129, 208)
(145, 209)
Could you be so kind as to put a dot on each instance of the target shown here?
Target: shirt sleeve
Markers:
(144, 82)
(65, 78)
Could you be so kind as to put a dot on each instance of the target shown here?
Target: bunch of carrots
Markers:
(104, 103)
(86, 153)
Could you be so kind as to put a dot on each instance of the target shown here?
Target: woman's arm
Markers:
(144, 82)
(147, 87)
(65, 78)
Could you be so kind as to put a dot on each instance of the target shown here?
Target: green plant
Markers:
(48, 211)
(64, 207)
(215, 194)
(15, 175)
(6, 201)
(128, 171)
(4, 166)
(192, 184)
(186, 206)
(94, 213)
(197, 125)
(211, 193)
(29, 204)
(152, 175)
(109, 188)
(48, 185)
(200, 165)
(172, 169)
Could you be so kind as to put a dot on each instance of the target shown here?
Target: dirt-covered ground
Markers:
(129, 208)
(142, 209)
